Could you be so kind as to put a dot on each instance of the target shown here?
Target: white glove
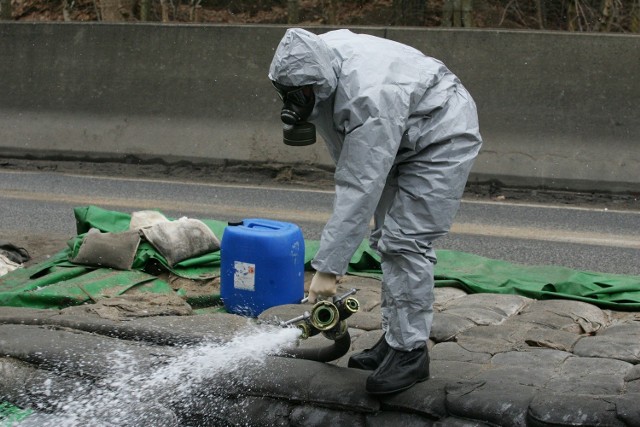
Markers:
(322, 284)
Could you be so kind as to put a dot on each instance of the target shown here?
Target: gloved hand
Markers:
(322, 284)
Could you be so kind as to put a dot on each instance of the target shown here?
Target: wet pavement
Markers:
(501, 360)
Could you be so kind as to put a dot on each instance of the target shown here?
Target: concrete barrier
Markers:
(556, 109)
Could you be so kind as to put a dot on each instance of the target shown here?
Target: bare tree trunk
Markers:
(195, 11)
(5, 10)
(540, 13)
(174, 9)
(457, 13)
(635, 17)
(606, 16)
(467, 13)
(447, 13)
(145, 9)
(66, 11)
(572, 15)
(333, 12)
(165, 10)
(293, 11)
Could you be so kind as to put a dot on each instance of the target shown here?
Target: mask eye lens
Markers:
(291, 93)
(297, 96)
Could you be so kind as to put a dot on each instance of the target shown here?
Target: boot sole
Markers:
(356, 365)
(397, 390)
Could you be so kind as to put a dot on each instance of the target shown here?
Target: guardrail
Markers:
(556, 109)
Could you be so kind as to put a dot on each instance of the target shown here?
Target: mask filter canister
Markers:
(300, 134)
(298, 106)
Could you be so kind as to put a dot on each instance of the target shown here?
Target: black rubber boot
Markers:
(399, 371)
(370, 359)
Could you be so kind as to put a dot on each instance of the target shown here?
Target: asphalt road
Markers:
(583, 238)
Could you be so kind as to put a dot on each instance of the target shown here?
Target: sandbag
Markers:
(114, 250)
(181, 239)
(142, 219)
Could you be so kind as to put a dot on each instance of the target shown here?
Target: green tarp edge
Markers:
(472, 273)
(10, 414)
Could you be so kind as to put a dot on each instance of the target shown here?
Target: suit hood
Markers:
(303, 58)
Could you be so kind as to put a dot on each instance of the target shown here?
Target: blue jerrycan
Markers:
(261, 266)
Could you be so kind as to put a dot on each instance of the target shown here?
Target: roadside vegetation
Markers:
(619, 16)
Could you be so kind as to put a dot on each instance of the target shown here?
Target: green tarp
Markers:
(59, 283)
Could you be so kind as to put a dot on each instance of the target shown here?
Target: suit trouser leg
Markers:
(419, 205)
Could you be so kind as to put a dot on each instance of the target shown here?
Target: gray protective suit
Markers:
(403, 132)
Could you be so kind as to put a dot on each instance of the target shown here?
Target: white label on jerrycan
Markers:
(245, 276)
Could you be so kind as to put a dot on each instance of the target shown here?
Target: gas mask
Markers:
(298, 105)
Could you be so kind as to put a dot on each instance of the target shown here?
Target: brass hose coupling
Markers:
(327, 316)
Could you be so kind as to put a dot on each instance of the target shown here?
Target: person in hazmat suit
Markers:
(403, 132)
